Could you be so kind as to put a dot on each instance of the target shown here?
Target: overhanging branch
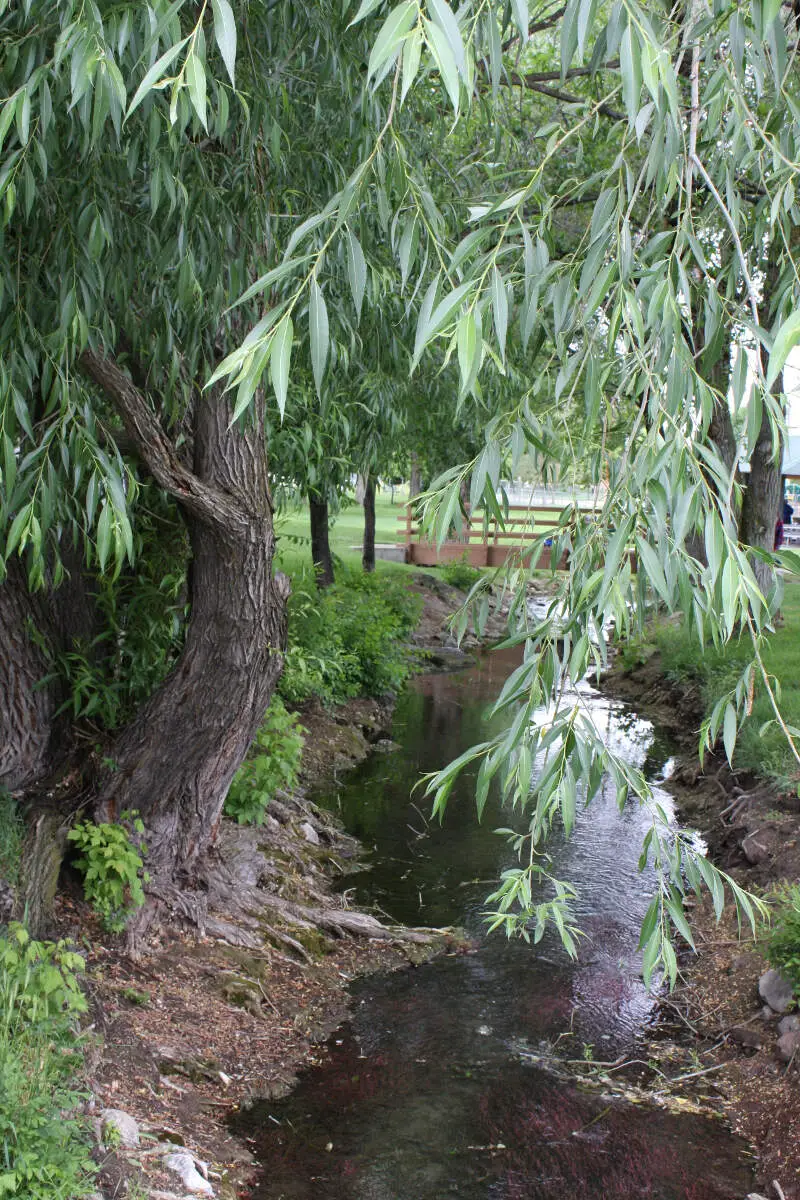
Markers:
(208, 504)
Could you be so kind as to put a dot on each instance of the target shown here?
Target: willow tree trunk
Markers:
(320, 541)
(27, 709)
(761, 505)
(174, 762)
(34, 740)
(368, 549)
(415, 482)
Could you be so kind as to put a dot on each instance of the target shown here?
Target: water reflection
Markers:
(427, 1091)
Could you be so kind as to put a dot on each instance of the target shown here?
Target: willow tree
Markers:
(132, 220)
(681, 273)
(597, 192)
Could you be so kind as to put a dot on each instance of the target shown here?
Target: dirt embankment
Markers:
(753, 832)
(199, 1025)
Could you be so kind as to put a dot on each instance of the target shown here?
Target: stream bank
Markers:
(196, 1027)
(716, 1015)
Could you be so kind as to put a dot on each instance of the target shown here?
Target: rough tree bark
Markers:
(761, 504)
(34, 627)
(34, 740)
(320, 542)
(26, 709)
(174, 762)
(368, 550)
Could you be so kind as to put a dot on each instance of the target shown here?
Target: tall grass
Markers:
(761, 745)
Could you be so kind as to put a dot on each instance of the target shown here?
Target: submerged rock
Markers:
(776, 991)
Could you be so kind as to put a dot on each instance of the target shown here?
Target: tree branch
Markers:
(532, 84)
(572, 73)
(211, 505)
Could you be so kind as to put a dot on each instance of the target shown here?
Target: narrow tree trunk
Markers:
(368, 550)
(721, 432)
(26, 707)
(463, 527)
(415, 482)
(34, 740)
(761, 505)
(174, 762)
(320, 542)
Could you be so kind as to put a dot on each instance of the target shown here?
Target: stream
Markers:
(432, 1088)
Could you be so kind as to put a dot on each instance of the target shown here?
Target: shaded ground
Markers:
(753, 832)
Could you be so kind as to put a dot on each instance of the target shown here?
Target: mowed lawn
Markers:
(347, 531)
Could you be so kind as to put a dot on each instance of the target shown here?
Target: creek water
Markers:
(432, 1088)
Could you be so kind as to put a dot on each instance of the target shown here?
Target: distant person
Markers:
(787, 512)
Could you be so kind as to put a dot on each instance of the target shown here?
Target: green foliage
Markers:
(44, 1151)
(349, 640)
(761, 745)
(39, 980)
(112, 868)
(11, 836)
(783, 945)
(141, 618)
(576, 263)
(460, 574)
(273, 762)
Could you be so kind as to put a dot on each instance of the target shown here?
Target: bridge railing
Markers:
(481, 543)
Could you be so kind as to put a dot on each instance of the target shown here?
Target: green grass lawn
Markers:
(717, 672)
(347, 531)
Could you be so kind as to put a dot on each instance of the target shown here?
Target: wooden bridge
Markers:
(482, 544)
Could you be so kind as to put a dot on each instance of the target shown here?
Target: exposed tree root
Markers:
(239, 893)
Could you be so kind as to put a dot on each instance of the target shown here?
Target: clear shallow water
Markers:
(427, 1091)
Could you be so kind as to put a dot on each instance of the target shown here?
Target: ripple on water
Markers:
(424, 1093)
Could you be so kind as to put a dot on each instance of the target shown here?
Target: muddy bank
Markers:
(716, 1016)
(196, 1027)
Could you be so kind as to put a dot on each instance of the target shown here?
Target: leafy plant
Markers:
(350, 640)
(273, 764)
(460, 574)
(39, 981)
(44, 1149)
(783, 946)
(112, 867)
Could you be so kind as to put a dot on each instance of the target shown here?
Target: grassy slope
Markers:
(716, 673)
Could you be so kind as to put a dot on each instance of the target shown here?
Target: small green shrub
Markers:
(11, 835)
(460, 574)
(783, 946)
(112, 867)
(44, 1150)
(272, 763)
(349, 640)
